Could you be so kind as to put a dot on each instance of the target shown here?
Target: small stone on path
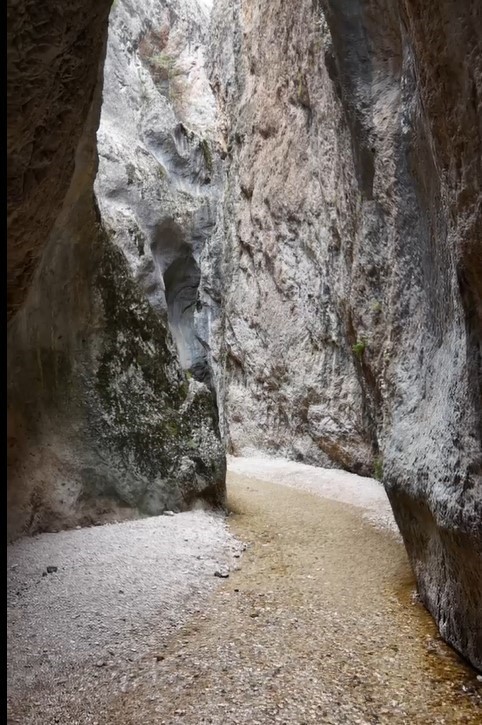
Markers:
(221, 574)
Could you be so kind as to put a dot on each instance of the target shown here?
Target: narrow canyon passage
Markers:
(244, 362)
(316, 622)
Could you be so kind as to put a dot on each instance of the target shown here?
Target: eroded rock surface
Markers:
(352, 261)
(103, 420)
(333, 298)
(159, 175)
(54, 52)
(291, 383)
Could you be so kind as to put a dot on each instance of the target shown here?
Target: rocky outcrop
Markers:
(352, 261)
(289, 382)
(159, 173)
(53, 61)
(103, 421)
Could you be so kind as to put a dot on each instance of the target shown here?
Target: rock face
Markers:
(102, 419)
(333, 297)
(352, 261)
(53, 61)
(290, 382)
(159, 173)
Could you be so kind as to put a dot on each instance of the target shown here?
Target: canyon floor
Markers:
(317, 622)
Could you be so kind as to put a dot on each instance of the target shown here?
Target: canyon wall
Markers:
(103, 422)
(53, 60)
(159, 179)
(350, 254)
(310, 249)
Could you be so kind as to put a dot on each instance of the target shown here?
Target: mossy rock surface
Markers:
(152, 422)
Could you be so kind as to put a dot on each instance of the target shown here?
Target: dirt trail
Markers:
(317, 626)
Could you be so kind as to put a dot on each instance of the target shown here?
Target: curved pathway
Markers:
(318, 624)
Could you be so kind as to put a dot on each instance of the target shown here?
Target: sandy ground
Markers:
(365, 493)
(318, 625)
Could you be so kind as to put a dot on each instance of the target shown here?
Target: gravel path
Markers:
(318, 625)
(117, 593)
(334, 484)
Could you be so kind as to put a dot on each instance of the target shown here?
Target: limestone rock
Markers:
(290, 379)
(54, 51)
(159, 174)
(104, 423)
(310, 249)
(352, 261)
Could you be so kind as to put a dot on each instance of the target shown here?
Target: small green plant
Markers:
(172, 427)
(164, 62)
(359, 348)
(378, 468)
(376, 306)
(206, 152)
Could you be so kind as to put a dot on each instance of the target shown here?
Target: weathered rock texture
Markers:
(352, 261)
(159, 173)
(103, 420)
(290, 378)
(53, 60)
